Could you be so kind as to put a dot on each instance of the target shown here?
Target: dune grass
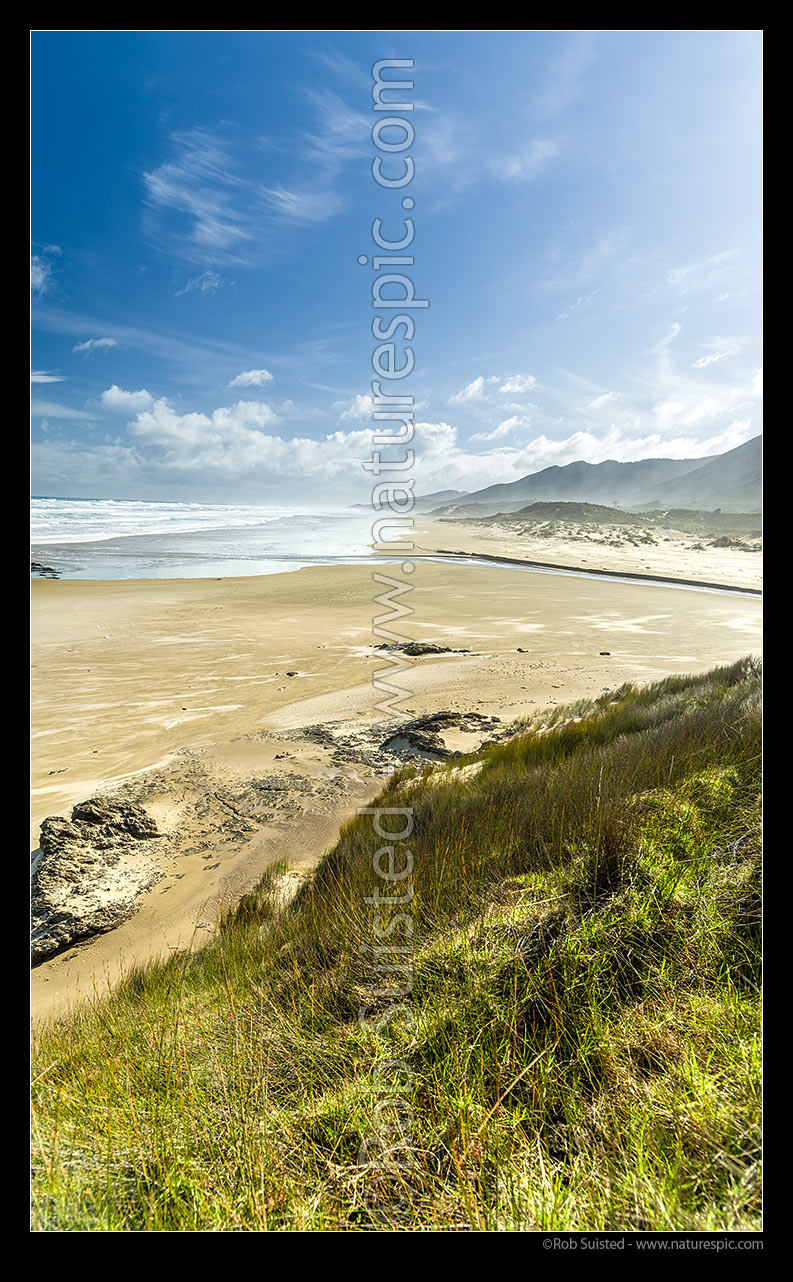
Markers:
(568, 1038)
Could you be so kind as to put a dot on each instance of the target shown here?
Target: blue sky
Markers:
(587, 234)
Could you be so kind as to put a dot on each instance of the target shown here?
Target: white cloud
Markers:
(472, 392)
(358, 409)
(41, 269)
(482, 388)
(716, 350)
(208, 283)
(503, 429)
(94, 345)
(41, 376)
(306, 206)
(524, 165)
(689, 409)
(204, 184)
(50, 409)
(669, 337)
(115, 398)
(702, 275)
(517, 383)
(251, 378)
(607, 398)
(40, 275)
(234, 450)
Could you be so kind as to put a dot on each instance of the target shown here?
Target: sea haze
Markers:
(128, 539)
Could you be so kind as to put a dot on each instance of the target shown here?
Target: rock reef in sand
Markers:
(92, 870)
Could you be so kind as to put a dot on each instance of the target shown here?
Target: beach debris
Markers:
(90, 874)
(606, 652)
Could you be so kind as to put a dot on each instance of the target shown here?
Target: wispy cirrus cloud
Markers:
(718, 349)
(523, 166)
(338, 137)
(51, 409)
(207, 284)
(94, 345)
(304, 206)
(42, 269)
(42, 376)
(482, 388)
(503, 429)
(203, 199)
(214, 196)
(704, 274)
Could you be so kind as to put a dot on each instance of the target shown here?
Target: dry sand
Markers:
(179, 687)
(673, 554)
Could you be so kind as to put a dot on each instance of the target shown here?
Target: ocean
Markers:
(130, 539)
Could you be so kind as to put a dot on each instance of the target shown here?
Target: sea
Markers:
(135, 539)
(131, 539)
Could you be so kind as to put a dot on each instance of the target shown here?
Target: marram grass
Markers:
(578, 1047)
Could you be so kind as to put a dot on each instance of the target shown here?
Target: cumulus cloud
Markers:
(94, 345)
(517, 383)
(251, 378)
(237, 441)
(235, 450)
(358, 409)
(472, 392)
(115, 398)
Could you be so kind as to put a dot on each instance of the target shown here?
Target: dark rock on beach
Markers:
(423, 736)
(416, 648)
(44, 571)
(92, 870)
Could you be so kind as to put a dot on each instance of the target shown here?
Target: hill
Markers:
(730, 481)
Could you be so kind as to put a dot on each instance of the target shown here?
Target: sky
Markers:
(587, 237)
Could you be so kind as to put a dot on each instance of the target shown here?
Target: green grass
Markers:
(577, 1046)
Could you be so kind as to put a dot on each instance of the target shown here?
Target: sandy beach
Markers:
(187, 696)
(670, 554)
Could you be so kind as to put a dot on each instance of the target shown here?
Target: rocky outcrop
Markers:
(416, 648)
(44, 571)
(92, 870)
(423, 736)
